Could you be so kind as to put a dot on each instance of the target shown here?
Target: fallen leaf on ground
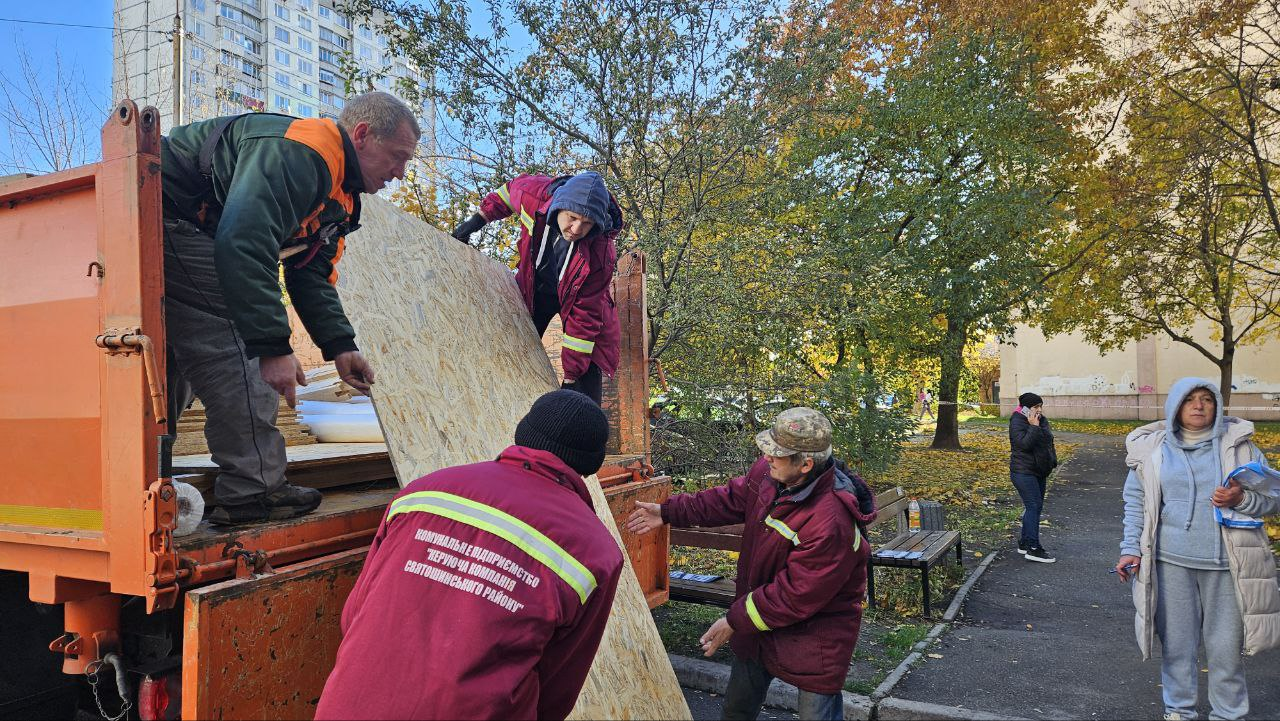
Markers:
(934, 655)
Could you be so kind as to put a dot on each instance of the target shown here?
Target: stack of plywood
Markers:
(458, 363)
(191, 441)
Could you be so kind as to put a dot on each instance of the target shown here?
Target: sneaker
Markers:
(1039, 555)
(1023, 547)
(285, 502)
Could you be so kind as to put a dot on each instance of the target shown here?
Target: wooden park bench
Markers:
(908, 549)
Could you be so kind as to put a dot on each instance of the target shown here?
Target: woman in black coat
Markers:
(1031, 458)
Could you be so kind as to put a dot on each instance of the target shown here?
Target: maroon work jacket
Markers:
(802, 572)
(587, 308)
(484, 596)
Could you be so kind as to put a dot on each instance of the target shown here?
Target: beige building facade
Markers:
(1077, 380)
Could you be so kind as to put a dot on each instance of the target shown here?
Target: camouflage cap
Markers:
(796, 430)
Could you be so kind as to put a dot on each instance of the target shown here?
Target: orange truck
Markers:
(101, 607)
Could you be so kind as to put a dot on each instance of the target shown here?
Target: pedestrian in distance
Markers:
(1032, 457)
(487, 587)
(802, 572)
(926, 403)
(1197, 582)
(567, 257)
(243, 196)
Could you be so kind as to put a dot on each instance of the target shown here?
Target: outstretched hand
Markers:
(647, 517)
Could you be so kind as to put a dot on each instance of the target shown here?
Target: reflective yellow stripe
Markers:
(505, 526)
(578, 344)
(755, 614)
(783, 529)
(526, 220)
(506, 197)
(857, 538)
(80, 519)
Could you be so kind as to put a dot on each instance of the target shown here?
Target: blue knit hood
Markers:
(584, 194)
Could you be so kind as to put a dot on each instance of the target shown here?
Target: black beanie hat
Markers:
(1029, 400)
(569, 425)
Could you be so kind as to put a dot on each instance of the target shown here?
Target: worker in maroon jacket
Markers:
(487, 587)
(567, 257)
(802, 574)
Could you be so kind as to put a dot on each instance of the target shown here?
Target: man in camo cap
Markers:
(802, 572)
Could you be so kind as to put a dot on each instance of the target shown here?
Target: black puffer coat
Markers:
(1031, 447)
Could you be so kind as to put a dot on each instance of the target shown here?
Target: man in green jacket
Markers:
(243, 196)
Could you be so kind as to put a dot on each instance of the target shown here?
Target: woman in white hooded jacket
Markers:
(1195, 580)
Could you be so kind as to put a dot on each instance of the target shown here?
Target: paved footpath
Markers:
(1055, 641)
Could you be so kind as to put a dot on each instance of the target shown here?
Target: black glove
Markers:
(463, 232)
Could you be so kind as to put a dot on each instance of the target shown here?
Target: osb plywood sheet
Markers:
(458, 363)
(455, 356)
(631, 677)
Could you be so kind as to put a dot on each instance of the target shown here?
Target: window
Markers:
(305, 45)
(330, 36)
(282, 12)
(238, 16)
(305, 67)
(282, 103)
(232, 60)
(201, 30)
(283, 58)
(328, 56)
(305, 5)
(238, 38)
(325, 12)
(307, 89)
(366, 52)
(330, 99)
(282, 35)
(304, 22)
(282, 78)
(197, 53)
(198, 78)
(197, 5)
(366, 33)
(344, 21)
(306, 111)
(328, 77)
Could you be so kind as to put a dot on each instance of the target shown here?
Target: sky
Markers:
(86, 50)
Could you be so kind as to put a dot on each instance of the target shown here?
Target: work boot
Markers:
(285, 502)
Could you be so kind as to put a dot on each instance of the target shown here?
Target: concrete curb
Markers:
(713, 677)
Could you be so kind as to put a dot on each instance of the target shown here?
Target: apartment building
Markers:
(282, 56)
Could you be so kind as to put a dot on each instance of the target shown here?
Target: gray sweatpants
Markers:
(206, 358)
(1195, 606)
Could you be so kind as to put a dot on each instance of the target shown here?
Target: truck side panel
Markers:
(262, 647)
(82, 507)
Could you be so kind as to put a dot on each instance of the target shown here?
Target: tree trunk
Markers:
(869, 400)
(1224, 371)
(946, 434)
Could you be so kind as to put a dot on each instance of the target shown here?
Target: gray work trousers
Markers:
(1194, 609)
(207, 358)
(749, 685)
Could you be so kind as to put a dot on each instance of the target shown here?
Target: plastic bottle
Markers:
(913, 516)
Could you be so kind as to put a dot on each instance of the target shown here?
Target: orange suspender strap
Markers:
(323, 136)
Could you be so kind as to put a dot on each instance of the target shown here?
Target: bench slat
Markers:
(717, 593)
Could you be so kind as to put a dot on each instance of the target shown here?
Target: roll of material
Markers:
(346, 428)
(190, 508)
(328, 408)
